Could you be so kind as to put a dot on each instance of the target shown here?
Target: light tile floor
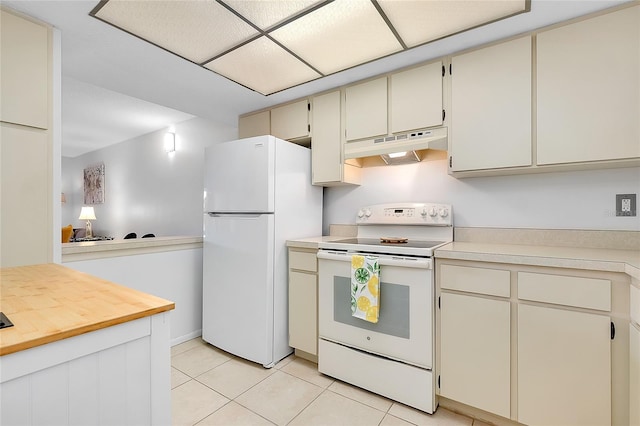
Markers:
(212, 387)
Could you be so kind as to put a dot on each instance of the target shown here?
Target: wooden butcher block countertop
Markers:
(50, 302)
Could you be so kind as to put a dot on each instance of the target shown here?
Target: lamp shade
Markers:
(87, 213)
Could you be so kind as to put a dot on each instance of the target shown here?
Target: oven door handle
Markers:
(383, 260)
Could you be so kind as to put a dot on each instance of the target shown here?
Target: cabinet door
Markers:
(366, 109)
(491, 107)
(25, 173)
(589, 90)
(634, 375)
(257, 124)
(24, 72)
(326, 143)
(475, 366)
(416, 98)
(303, 323)
(291, 121)
(564, 367)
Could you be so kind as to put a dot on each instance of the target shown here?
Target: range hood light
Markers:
(397, 154)
(405, 157)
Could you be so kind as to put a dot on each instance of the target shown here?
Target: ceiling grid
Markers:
(272, 45)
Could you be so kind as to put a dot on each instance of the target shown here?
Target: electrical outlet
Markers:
(625, 204)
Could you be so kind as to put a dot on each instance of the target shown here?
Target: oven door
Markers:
(404, 330)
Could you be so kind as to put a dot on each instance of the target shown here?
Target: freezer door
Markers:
(237, 311)
(239, 176)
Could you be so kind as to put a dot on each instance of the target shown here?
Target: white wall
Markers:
(568, 200)
(150, 191)
(146, 189)
(173, 275)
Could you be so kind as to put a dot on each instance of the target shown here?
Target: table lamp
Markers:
(88, 214)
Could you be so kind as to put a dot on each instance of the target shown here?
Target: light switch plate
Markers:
(625, 204)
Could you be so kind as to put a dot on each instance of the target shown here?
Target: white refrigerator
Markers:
(258, 194)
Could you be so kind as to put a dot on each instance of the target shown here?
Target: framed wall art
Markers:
(94, 184)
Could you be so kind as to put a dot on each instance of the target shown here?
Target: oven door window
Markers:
(394, 314)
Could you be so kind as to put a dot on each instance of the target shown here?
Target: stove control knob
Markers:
(360, 213)
(444, 212)
(433, 212)
(423, 213)
(367, 213)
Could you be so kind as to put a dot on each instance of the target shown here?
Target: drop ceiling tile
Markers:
(339, 35)
(267, 13)
(263, 66)
(418, 22)
(195, 30)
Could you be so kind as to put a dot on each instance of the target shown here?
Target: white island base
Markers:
(118, 375)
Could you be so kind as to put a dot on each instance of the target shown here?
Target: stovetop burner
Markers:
(378, 242)
(412, 229)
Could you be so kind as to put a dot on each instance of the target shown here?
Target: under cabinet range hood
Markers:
(435, 138)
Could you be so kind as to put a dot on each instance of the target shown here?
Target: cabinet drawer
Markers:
(590, 293)
(494, 282)
(303, 260)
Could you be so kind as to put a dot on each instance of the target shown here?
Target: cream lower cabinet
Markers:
(564, 355)
(564, 367)
(533, 344)
(634, 357)
(475, 352)
(303, 301)
(475, 336)
(634, 375)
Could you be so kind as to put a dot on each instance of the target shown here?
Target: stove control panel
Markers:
(406, 214)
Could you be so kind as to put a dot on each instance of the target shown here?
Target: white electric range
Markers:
(395, 356)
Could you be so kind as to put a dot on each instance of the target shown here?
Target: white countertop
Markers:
(625, 261)
(312, 242)
(110, 248)
(598, 259)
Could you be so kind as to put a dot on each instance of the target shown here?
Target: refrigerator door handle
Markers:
(237, 215)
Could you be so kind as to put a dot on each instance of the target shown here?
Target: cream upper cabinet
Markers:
(475, 337)
(24, 71)
(257, 124)
(564, 367)
(491, 107)
(366, 109)
(588, 89)
(326, 143)
(416, 98)
(291, 121)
